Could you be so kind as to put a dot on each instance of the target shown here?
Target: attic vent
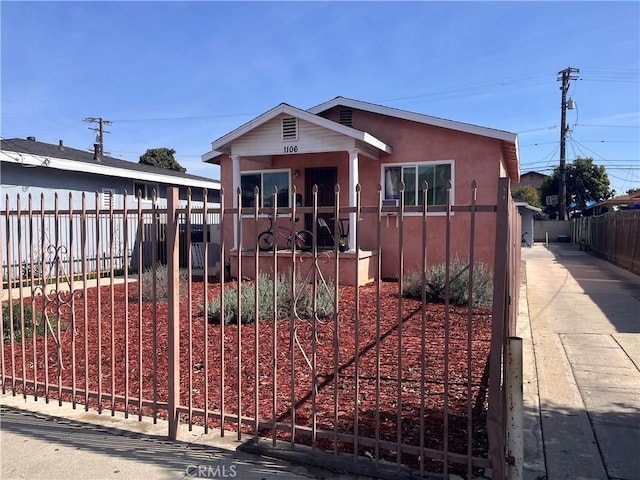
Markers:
(108, 198)
(346, 117)
(289, 128)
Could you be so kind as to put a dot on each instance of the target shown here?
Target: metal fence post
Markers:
(173, 316)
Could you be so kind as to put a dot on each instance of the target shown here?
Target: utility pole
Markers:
(565, 76)
(101, 131)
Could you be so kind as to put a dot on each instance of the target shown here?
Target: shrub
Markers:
(161, 279)
(17, 331)
(458, 287)
(303, 307)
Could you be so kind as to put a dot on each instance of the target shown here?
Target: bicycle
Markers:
(303, 238)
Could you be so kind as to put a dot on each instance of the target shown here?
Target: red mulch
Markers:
(241, 388)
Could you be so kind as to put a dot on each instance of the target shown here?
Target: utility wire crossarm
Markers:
(101, 131)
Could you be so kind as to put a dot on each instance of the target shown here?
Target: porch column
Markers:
(235, 174)
(353, 181)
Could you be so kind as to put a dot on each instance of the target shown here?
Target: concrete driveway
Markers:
(584, 364)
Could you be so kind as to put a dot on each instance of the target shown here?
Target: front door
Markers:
(325, 178)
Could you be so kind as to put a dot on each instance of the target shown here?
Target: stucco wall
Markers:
(475, 158)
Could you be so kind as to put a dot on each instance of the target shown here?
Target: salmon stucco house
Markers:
(350, 142)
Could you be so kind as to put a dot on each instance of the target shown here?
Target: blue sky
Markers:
(181, 74)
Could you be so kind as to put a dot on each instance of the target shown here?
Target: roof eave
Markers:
(212, 157)
(512, 160)
(528, 207)
(374, 142)
(416, 117)
(222, 145)
(32, 160)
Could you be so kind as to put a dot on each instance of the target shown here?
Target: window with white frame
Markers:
(265, 180)
(146, 190)
(436, 174)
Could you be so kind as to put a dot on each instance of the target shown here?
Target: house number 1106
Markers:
(291, 149)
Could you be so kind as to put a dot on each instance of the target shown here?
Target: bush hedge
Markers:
(160, 281)
(17, 330)
(459, 284)
(285, 302)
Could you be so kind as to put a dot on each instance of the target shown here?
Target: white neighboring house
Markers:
(29, 166)
(44, 170)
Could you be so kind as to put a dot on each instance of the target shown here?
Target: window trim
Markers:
(147, 193)
(416, 164)
(261, 172)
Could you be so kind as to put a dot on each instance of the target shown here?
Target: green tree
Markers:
(163, 158)
(527, 193)
(586, 183)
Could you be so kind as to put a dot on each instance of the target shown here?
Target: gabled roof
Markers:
(34, 153)
(416, 117)
(534, 174)
(509, 140)
(223, 144)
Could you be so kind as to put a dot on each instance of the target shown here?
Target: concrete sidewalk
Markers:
(47, 441)
(580, 322)
(64, 286)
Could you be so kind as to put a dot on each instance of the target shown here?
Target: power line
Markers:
(608, 165)
(529, 79)
(171, 119)
(584, 141)
(606, 126)
(622, 168)
(467, 90)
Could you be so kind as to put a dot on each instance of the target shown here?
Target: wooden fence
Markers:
(614, 236)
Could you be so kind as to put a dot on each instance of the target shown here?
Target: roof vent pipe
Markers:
(60, 145)
(96, 151)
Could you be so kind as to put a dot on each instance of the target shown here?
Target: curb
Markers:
(534, 467)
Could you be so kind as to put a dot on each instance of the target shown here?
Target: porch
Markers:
(353, 268)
